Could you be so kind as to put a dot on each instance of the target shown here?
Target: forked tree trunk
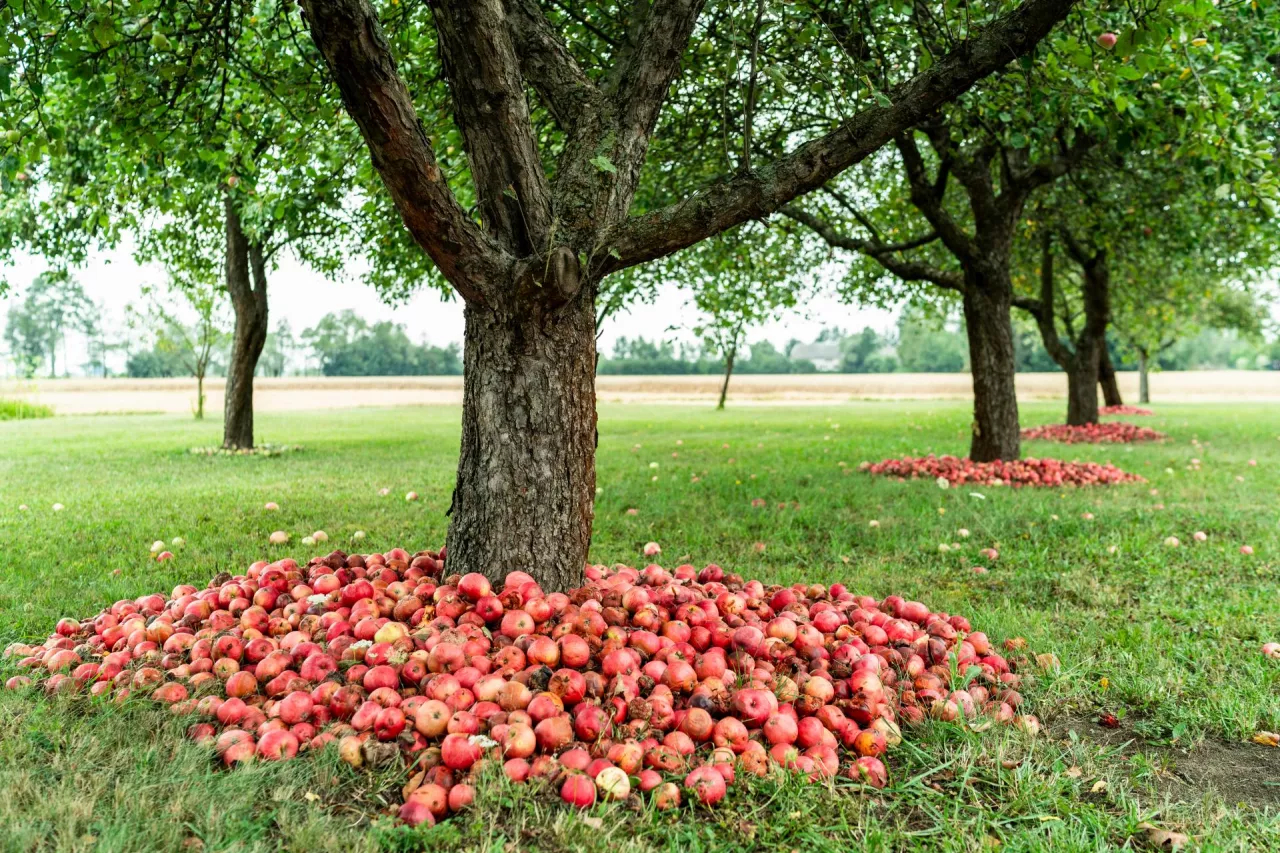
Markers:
(1107, 379)
(247, 284)
(1144, 390)
(728, 372)
(991, 360)
(1082, 388)
(525, 492)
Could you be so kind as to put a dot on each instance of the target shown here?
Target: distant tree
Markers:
(154, 363)
(346, 345)
(861, 354)
(28, 337)
(830, 334)
(764, 357)
(926, 346)
(194, 344)
(739, 280)
(55, 303)
(277, 350)
(94, 327)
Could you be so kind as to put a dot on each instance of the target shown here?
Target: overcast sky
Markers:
(303, 297)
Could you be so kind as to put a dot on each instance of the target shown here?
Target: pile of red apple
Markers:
(1111, 432)
(669, 683)
(1124, 410)
(954, 471)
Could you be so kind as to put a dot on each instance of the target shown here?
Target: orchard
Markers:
(1087, 191)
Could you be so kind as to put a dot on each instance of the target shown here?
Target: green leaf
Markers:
(883, 100)
(1222, 191)
(603, 164)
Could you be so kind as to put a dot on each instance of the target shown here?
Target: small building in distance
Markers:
(826, 355)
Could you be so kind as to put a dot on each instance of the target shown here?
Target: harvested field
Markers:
(98, 396)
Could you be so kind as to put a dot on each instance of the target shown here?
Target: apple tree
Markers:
(1183, 82)
(210, 133)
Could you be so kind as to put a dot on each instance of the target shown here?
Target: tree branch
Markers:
(483, 70)
(547, 64)
(927, 196)
(1049, 170)
(882, 253)
(351, 40)
(743, 197)
(1045, 315)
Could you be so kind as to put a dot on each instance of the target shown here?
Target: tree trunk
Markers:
(1107, 379)
(1144, 390)
(991, 360)
(525, 492)
(199, 397)
(728, 371)
(1082, 389)
(247, 284)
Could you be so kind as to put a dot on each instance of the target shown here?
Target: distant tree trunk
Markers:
(996, 434)
(1144, 390)
(1083, 359)
(199, 395)
(526, 484)
(728, 372)
(1082, 389)
(1107, 379)
(247, 284)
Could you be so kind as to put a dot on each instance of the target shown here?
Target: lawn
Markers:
(1165, 638)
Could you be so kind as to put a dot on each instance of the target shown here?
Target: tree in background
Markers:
(55, 303)
(278, 350)
(1188, 302)
(28, 338)
(212, 132)
(925, 345)
(739, 280)
(347, 345)
(970, 168)
(862, 353)
(193, 343)
(1133, 216)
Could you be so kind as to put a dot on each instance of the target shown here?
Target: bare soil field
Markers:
(100, 396)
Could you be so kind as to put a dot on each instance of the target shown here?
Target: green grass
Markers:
(20, 410)
(1173, 634)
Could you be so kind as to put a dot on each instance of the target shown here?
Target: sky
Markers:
(303, 297)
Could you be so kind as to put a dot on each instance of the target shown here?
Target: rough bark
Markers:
(1082, 391)
(525, 491)
(1081, 358)
(247, 284)
(728, 372)
(1091, 341)
(1107, 379)
(996, 433)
